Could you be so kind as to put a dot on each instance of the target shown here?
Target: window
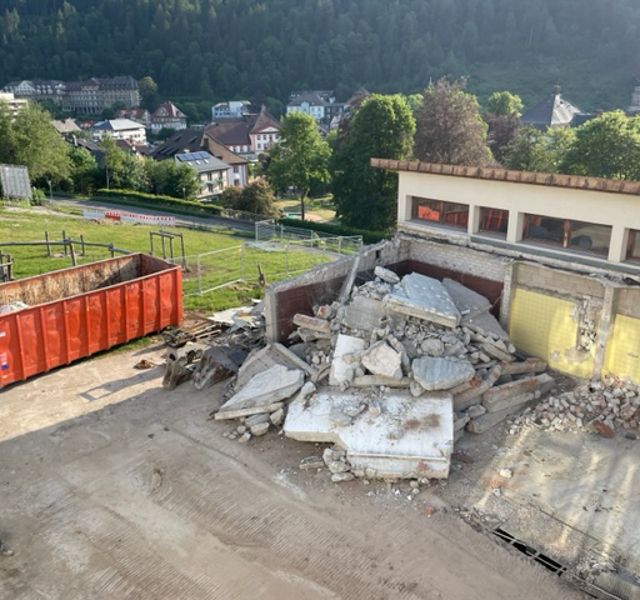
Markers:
(439, 212)
(494, 221)
(577, 236)
(633, 245)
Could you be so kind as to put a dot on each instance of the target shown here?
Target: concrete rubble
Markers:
(397, 369)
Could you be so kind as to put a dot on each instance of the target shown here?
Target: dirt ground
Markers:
(111, 487)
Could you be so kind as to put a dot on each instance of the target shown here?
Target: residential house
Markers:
(139, 115)
(247, 136)
(230, 109)
(320, 104)
(15, 105)
(67, 128)
(168, 116)
(119, 129)
(554, 111)
(194, 140)
(213, 173)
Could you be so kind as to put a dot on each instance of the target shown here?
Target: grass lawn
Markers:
(316, 209)
(223, 256)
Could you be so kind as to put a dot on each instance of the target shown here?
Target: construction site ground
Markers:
(112, 487)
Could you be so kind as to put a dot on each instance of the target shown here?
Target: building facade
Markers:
(230, 109)
(168, 116)
(119, 129)
(13, 104)
(213, 174)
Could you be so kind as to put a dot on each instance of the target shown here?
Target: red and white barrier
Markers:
(129, 217)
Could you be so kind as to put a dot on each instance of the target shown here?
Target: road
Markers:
(186, 220)
(113, 488)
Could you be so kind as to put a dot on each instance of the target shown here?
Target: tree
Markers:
(84, 170)
(382, 128)
(7, 147)
(450, 129)
(257, 198)
(505, 104)
(149, 93)
(538, 151)
(38, 146)
(166, 177)
(502, 131)
(301, 157)
(113, 162)
(607, 146)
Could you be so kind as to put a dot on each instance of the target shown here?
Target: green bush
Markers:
(368, 237)
(167, 203)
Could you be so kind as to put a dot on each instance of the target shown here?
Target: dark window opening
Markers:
(494, 221)
(577, 236)
(633, 245)
(450, 214)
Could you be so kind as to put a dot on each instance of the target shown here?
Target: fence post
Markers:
(286, 259)
(9, 267)
(111, 249)
(242, 265)
(64, 239)
(72, 251)
(46, 238)
(82, 248)
(199, 274)
(151, 243)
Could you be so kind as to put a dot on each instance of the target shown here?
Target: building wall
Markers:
(620, 211)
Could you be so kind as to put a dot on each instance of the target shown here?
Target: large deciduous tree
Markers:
(301, 158)
(539, 151)
(382, 128)
(257, 198)
(505, 104)
(38, 146)
(450, 129)
(607, 146)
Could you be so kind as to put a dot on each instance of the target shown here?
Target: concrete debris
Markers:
(425, 298)
(381, 359)
(412, 363)
(263, 393)
(604, 407)
(5, 309)
(386, 275)
(441, 373)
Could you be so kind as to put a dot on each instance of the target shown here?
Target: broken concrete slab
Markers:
(347, 286)
(509, 390)
(363, 313)
(531, 365)
(378, 380)
(424, 298)
(486, 324)
(271, 355)
(473, 395)
(342, 371)
(489, 420)
(434, 373)
(373, 442)
(312, 323)
(386, 275)
(381, 359)
(492, 406)
(545, 383)
(262, 393)
(497, 353)
(468, 302)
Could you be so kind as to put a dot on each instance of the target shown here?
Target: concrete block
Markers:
(424, 298)
(493, 406)
(410, 438)
(386, 275)
(545, 383)
(509, 390)
(265, 358)
(441, 373)
(486, 324)
(312, 323)
(468, 302)
(473, 395)
(381, 359)
(262, 393)
(489, 420)
(374, 380)
(342, 371)
(531, 365)
(363, 313)
(496, 352)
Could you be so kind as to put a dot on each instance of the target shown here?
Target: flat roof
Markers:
(578, 182)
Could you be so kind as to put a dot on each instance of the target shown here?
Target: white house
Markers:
(15, 105)
(230, 109)
(168, 116)
(310, 103)
(119, 129)
(213, 173)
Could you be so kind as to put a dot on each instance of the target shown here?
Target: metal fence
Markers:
(252, 261)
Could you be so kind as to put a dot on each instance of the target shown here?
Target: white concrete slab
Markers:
(341, 370)
(410, 438)
(425, 298)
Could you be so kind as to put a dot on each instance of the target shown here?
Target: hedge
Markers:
(368, 237)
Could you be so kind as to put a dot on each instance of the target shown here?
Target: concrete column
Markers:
(516, 227)
(404, 205)
(618, 244)
(474, 220)
(510, 273)
(605, 327)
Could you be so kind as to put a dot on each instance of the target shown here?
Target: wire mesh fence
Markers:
(210, 271)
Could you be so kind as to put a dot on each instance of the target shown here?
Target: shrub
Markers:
(369, 237)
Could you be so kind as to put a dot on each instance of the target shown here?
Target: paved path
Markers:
(113, 488)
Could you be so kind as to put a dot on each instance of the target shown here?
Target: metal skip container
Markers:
(76, 312)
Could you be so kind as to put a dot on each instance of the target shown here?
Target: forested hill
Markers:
(265, 48)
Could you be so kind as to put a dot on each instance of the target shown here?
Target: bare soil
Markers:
(113, 488)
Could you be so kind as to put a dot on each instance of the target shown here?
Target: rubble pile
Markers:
(392, 374)
(605, 406)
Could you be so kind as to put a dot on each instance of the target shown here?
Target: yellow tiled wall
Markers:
(622, 357)
(547, 327)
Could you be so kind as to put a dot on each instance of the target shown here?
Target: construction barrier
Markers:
(129, 217)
